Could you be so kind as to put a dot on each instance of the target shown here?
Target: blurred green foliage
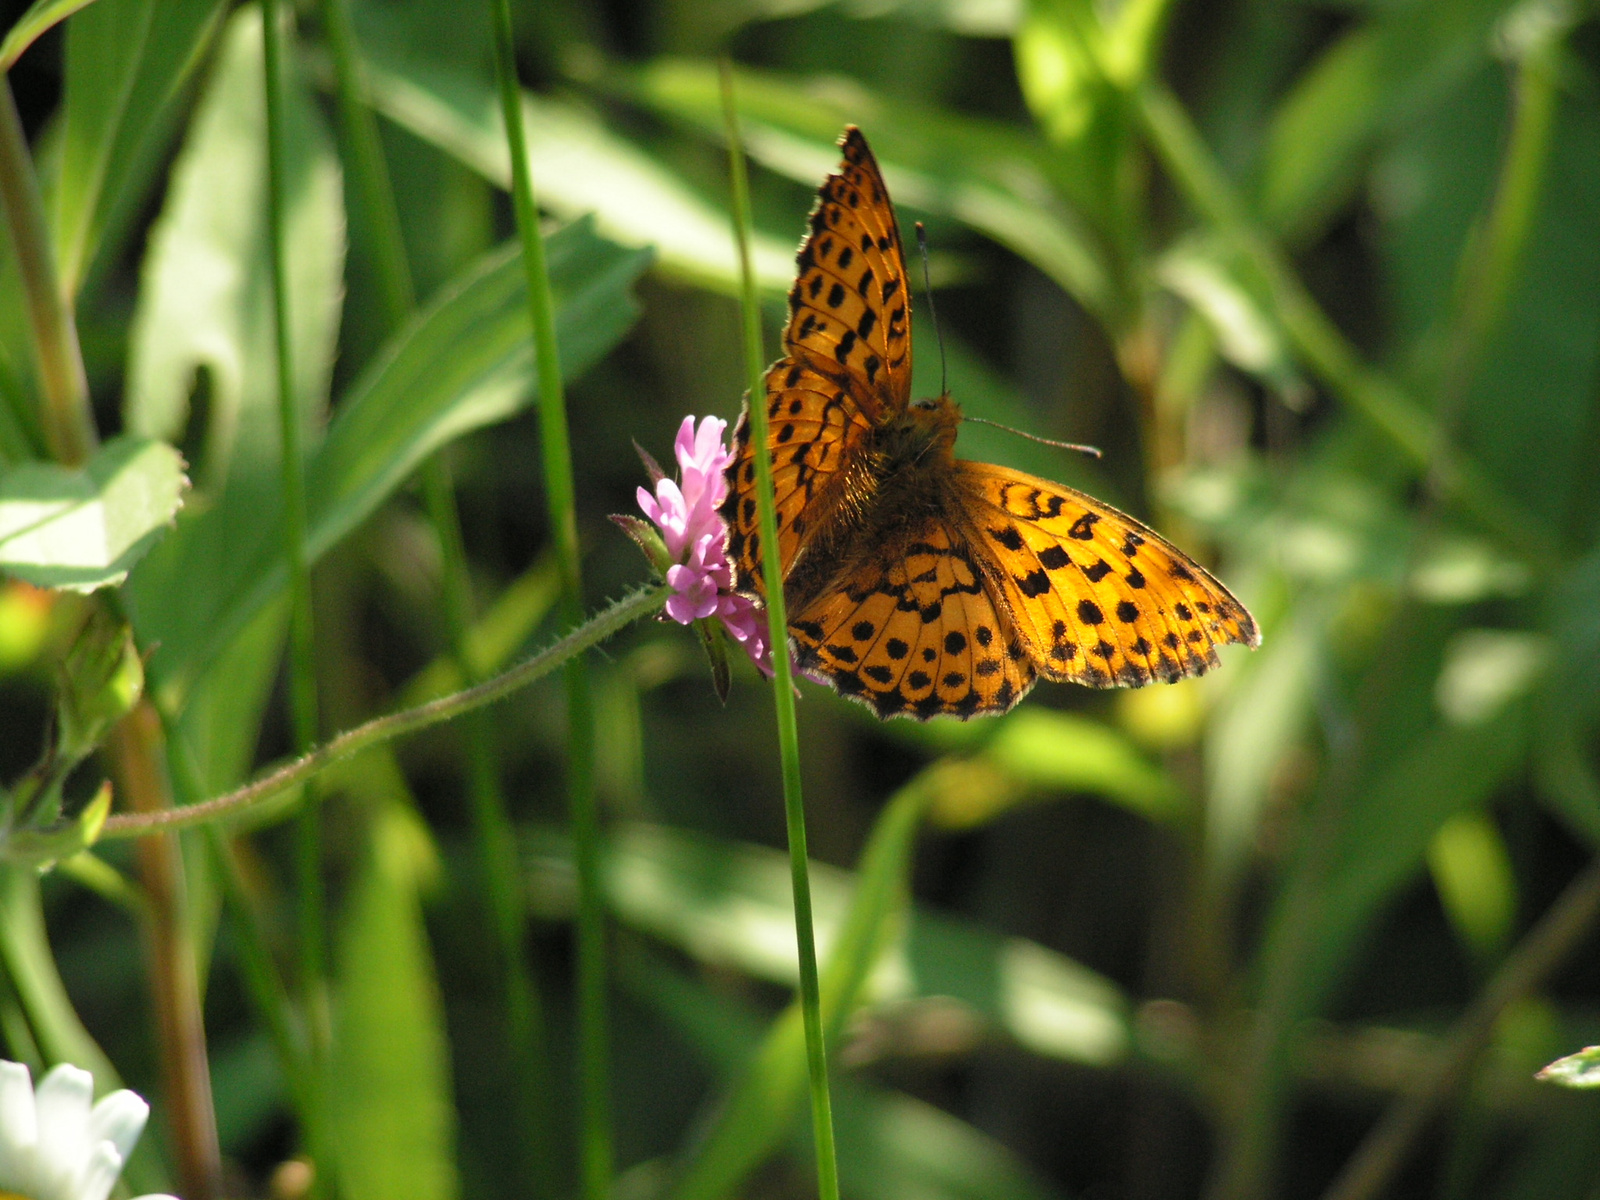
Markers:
(1320, 277)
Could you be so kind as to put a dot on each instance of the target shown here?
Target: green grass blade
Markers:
(783, 667)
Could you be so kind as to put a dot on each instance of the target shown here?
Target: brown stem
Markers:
(1550, 941)
(68, 424)
(135, 748)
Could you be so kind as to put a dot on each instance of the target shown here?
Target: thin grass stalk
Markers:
(67, 420)
(271, 1000)
(782, 674)
(1565, 924)
(385, 242)
(497, 849)
(302, 651)
(595, 1149)
(243, 800)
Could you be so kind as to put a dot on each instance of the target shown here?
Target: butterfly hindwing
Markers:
(918, 634)
(849, 310)
(1098, 598)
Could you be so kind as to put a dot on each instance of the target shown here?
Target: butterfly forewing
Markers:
(815, 430)
(1099, 598)
(918, 634)
(849, 310)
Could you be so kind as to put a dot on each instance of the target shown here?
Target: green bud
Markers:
(101, 680)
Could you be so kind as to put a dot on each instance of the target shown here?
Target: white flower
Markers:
(54, 1145)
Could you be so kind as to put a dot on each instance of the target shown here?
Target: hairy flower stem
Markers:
(375, 732)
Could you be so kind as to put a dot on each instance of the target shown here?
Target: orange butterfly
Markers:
(917, 582)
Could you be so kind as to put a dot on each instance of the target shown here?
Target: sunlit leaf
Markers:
(1472, 873)
(579, 166)
(729, 905)
(463, 363)
(85, 528)
(41, 16)
(203, 326)
(995, 178)
(890, 1145)
(1065, 753)
(1580, 1070)
(127, 64)
(391, 1100)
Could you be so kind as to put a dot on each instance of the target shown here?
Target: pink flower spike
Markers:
(685, 511)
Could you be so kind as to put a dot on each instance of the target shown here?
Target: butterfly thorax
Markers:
(922, 437)
(896, 483)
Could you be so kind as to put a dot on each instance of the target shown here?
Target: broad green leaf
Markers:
(1036, 751)
(1262, 720)
(757, 1113)
(1065, 753)
(970, 18)
(204, 319)
(127, 64)
(391, 1102)
(1392, 820)
(1367, 84)
(41, 16)
(579, 166)
(1076, 62)
(989, 175)
(463, 363)
(890, 1145)
(729, 905)
(85, 528)
(1543, 356)
(1580, 1070)
(1218, 283)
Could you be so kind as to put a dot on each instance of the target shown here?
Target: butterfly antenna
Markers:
(1091, 451)
(933, 313)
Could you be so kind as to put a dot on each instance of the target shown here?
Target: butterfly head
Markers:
(925, 431)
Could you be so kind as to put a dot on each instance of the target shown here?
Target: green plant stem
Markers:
(302, 651)
(385, 243)
(1558, 932)
(782, 676)
(67, 420)
(240, 801)
(595, 1159)
(1320, 343)
(137, 760)
(525, 1025)
(368, 170)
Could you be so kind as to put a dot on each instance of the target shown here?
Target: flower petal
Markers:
(119, 1119)
(98, 1173)
(63, 1098)
(19, 1128)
